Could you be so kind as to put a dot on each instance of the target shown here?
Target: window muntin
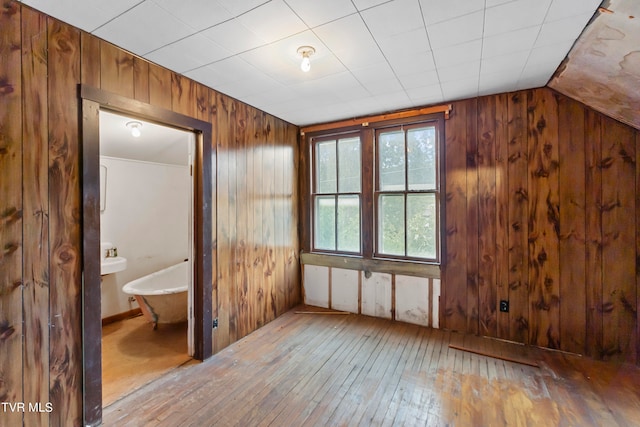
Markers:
(406, 192)
(337, 197)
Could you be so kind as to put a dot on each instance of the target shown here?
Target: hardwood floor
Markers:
(133, 354)
(308, 369)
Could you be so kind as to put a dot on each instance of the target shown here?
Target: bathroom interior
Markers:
(145, 227)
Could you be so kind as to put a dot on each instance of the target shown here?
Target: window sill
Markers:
(405, 268)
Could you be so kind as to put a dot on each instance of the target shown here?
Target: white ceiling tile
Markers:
(515, 15)
(233, 36)
(422, 79)
(315, 13)
(553, 54)
(404, 44)
(460, 89)
(513, 41)
(495, 83)
(492, 3)
(564, 8)
(455, 31)
(562, 30)
(241, 88)
(272, 21)
(188, 53)
(343, 85)
(389, 19)
(393, 101)
(144, 28)
(87, 15)
(420, 62)
(198, 14)
(266, 96)
(508, 66)
(533, 79)
(383, 87)
(437, 11)
(458, 54)
(351, 42)
(238, 7)
(222, 72)
(373, 72)
(366, 4)
(459, 72)
(425, 95)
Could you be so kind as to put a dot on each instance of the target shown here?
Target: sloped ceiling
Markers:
(372, 56)
(603, 68)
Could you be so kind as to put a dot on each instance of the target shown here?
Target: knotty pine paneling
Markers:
(472, 243)
(487, 218)
(544, 220)
(140, 80)
(569, 193)
(116, 70)
(517, 206)
(65, 268)
(454, 308)
(618, 238)
(11, 213)
(502, 210)
(40, 204)
(572, 224)
(35, 231)
(593, 231)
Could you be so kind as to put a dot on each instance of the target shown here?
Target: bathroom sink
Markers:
(113, 265)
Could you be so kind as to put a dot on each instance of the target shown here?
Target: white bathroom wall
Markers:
(391, 296)
(147, 218)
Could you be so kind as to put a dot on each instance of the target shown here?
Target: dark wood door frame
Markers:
(92, 100)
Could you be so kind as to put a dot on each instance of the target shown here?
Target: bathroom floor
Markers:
(133, 354)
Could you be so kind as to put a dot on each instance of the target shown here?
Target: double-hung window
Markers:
(375, 192)
(337, 194)
(406, 192)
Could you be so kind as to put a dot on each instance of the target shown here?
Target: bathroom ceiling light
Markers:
(306, 52)
(135, 128)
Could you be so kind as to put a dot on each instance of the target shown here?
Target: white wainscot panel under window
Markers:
(412, 300)
(376, 295)
(344, 289)
(316, 286)
(435, 319)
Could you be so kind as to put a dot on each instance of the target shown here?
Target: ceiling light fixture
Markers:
(306, 52)
(135, 128)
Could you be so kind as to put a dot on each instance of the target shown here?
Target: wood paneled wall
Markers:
(543, 208)
(255, 239)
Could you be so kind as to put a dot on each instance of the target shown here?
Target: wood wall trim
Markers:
(365, 121)
(372, 265)
(122, 316)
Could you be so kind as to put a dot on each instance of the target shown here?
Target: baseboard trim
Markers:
(122, 316)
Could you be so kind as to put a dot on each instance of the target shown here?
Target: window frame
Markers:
(368, 204)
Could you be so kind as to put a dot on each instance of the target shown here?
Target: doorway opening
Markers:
(146, 251)
(95, 105)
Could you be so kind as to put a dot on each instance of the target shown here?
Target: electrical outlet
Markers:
(215, 323)
(504, 306)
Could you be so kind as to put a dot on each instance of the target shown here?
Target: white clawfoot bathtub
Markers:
(162, 295)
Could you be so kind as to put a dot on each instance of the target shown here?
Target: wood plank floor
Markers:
(133, 354)
(310, 369)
